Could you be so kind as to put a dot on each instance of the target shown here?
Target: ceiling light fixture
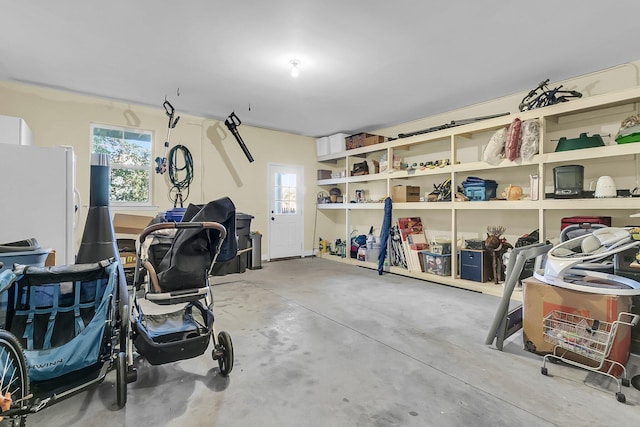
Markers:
(295, 72)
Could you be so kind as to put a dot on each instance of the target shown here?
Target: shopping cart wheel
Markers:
(544, 371)
(121, 379)
(626, 382)
(225, 362)
(620, 397)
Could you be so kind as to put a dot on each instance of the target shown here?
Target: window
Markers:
(285, 193)
(129, 153)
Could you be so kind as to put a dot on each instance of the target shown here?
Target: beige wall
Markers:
(220, 167)
(61, 118)
(608, 80)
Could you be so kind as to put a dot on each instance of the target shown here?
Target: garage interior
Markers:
(320, 343)
(319, 340)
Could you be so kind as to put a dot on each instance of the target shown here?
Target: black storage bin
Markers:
(240, 263)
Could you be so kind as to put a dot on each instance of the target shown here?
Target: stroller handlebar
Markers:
(182, 225)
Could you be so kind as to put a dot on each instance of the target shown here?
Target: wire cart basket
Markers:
(592, 339)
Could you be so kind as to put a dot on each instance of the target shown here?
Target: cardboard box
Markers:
(130, 224)
(362, 140)
(352, 141)
(324, 174)
(51, 259)
(373, 139)
(127, 259)
(405, 193)
(127, 252)
(540, 299)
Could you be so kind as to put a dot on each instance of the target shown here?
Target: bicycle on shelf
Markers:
(542, 96)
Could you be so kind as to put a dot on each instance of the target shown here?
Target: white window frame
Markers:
(150, 168)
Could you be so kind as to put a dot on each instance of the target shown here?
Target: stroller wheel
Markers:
(121, 379)
(14, 368)
(225, 360)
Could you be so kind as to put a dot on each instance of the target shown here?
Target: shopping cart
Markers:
(592, 339)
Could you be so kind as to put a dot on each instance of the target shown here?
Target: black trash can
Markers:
(240, 263)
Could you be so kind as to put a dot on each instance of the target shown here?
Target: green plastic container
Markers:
(583, 141)
(632, 137)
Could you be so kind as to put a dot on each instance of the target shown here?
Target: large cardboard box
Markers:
(127, 252)
(130, 224)
(324, 174)
(405, 193)
(539, 299)
(362, 140)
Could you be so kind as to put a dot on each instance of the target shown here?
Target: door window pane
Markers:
(285, 193)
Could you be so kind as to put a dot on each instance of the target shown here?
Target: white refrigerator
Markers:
(38, 197)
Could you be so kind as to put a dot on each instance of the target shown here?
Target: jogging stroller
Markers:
(63, 332)
(180, 277)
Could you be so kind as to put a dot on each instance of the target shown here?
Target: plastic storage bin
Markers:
(25, 252)
(480, 191)
(439, 264)
(240, 263)
(174, 214)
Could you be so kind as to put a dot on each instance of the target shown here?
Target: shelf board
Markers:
(478, 166)
(498, 205)
(368, 177)
(607, 151)
(617, 203)
(489, 288)
(404, 174)
(330, 206)
(423, 205)
(594, 102)
(371, 206)
(332, 181)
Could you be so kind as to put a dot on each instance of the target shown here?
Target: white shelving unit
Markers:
(463, 146)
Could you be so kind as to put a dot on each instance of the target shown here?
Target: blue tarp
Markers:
(384, 234)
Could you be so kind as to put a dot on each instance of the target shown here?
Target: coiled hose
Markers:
(177, 182)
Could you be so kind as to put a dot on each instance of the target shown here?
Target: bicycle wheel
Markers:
(13, 373)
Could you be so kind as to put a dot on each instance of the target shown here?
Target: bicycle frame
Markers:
(542, 96)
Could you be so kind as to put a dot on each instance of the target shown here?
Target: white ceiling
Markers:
(365, 64)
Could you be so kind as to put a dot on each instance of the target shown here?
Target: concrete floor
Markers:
(318, 343)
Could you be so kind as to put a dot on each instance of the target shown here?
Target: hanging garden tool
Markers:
(232, 122)
(161, 162)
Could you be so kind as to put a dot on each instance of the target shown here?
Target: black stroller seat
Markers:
(181, 278)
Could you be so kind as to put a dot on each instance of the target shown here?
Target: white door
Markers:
(285, 215)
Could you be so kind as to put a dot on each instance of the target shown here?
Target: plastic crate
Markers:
(439, 264)
(480, 192)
